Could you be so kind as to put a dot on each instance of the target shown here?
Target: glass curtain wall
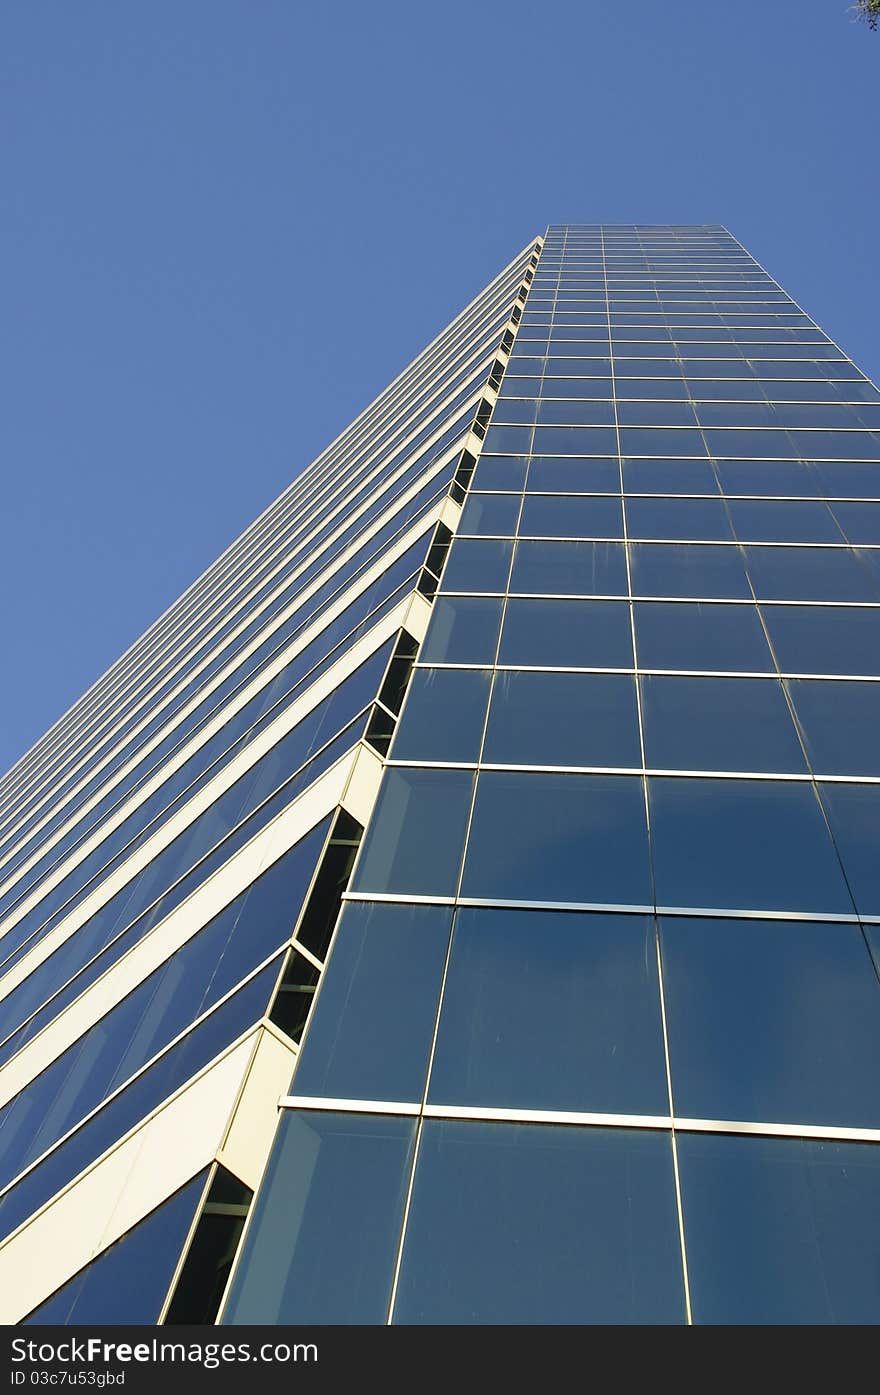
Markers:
(598, 1035)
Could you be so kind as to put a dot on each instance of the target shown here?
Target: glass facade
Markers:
(608, 963)
(596, 1035)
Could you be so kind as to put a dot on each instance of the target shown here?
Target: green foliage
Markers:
(868, 10)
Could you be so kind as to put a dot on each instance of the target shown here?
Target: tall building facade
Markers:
(559, 672)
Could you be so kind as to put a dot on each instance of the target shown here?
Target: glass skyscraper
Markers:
(558, 673)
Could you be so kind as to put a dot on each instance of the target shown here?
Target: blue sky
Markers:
(227, 224)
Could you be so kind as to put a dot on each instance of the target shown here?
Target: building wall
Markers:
(598, 1035)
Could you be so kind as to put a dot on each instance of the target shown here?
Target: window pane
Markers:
(772, 1020)
(551, 1010)
(841, 725)
(688, 570)
(854, 814)
(463, 630)
(560, 838)
(642, 476)
(677, 518)
(490, 513)
(573, 634)
(477, 564)
(575, 440)
(825, 639)
(860, 522)
(573, 413)
(373, 1023)
(575, 516)
(719, 724)
(745, 845)
(781, 1230)
(661, 441)
(416, 833)
(573, 475)
(443, 717)
(855, 479)
(500, 472)
(330, 1205)
(726, 638)
(778, 520)
(810, 574)
(529, 1224)
(569, 568)
(563, 719)
(646, 413)
(511, 440)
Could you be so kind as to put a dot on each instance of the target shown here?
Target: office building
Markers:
(558, 672)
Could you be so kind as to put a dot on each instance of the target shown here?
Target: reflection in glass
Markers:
(551, 1010)
(323, 1237)
(745, 845)
(559, 838)
(530, 1224)
(781, 1230)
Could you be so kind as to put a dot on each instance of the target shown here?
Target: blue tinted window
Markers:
(841, 725)
(499, 472)
(573, 475)
(574, 413)
(688, 570)
(575, 516)
(810, 574)
(569, 568)
(509, 440)
(529, 1224)
(777, 520)
(723, 638)
(514, 385)
(825, 639)
(575, 440)
(574, 634)
(781, 1230)
(477, 564)
(584, 388)
(637, 389)
(415, 837)
(660, 441)
(719, 724)
(853, 479)
(677, 518)
(836, 445)
(463, 630)
(128, 1282)
(772, 1020)
(647, 413)
(753, 444)
(443, 717)
(745, 845)
(322, 1242)
(563, 719)
(514, 411)
(551, 1010)
(641, 476)
(854, 814)
(373, 1022)
(490, 513)
(860, 522)
(560, 838)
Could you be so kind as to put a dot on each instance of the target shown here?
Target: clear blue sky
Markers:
(227, 224)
